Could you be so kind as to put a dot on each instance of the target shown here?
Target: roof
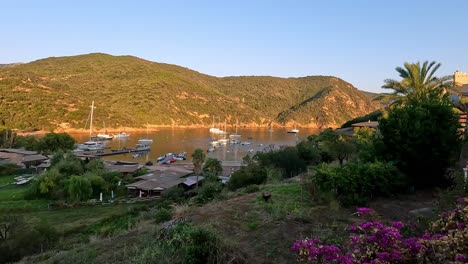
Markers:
(372, 124)
(156, 184)
(347, 131)
(37, 157)
(464, 89)
(123, 168)
(19, 151)
(191, 180)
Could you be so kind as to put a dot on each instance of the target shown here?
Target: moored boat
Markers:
(122, 135)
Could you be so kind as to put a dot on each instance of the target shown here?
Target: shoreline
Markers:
(151, 128)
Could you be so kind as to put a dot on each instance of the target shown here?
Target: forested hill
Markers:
(131, 92)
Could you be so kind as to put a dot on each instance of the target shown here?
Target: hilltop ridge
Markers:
(56, 92)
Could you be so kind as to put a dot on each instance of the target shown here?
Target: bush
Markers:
(422, 137)
(183, 243)
(252, 174)
(208, 192)
(376, 242)
(355, 183)
(163, 215)
(288, 160)
(175, 194)
(252, 188)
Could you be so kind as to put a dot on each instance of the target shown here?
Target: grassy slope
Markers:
(129, 91)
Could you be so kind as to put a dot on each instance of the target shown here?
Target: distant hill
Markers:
(10, 65)
(131, 92)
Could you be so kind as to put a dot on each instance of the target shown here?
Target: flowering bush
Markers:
(373, 242)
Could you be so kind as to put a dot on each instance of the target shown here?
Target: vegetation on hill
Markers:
(130, 92)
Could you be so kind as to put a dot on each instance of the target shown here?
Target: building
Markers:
(460, 80)
(157, 183)
(22, 158)
(125, 168)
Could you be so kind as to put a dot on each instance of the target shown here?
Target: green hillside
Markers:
(131, 92)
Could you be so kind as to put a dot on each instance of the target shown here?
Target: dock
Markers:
(113, 152)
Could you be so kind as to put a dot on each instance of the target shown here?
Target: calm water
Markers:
(176, 140)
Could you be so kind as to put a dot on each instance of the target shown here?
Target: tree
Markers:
(418, 82)
(213, 165)
(52, 142)
(7, 138)
(422, 137)
(198, 157)
(78, 188)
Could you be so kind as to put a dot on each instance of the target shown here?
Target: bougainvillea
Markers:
(374, 242)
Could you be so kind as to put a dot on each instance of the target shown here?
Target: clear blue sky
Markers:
(359, 41)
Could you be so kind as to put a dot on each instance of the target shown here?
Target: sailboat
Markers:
(104, 136)
(146, 140)
(216, 130)
(91, 145)
(235, 138)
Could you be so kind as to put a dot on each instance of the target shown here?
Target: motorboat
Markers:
(104, 136)
(122, 135)
(142, 147)
(145, 141)
(293, 131)
(91, 146)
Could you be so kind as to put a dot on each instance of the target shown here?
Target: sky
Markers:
(359, 41)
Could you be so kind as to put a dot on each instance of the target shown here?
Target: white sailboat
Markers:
(91, 145)
(104, 136)
(235, 138)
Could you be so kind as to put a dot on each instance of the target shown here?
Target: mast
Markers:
(91, 122)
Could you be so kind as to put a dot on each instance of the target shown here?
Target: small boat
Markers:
(245, 143)
(145, 141)
(122, 135)
(92, 146)
(293, 131)
(142, 147)
(104, 136)
(223, 141)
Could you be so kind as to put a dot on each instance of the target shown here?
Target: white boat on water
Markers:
(293, 131)
(104, 136)
(142, 147)
(91, 146)
(145, 141)
(121, 135)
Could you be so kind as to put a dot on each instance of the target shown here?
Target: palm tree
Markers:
(418, 82)
(198, 157)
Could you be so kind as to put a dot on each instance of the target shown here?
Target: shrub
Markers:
(354, 183)
(252, 174)
(376, 242)
(182, 243)
(252, 188)
(208, 192)
(162, 215)
(422, 137)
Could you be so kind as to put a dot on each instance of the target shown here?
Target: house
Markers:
(125, 168)
(191, 181)
(33, 160)
(157, 183)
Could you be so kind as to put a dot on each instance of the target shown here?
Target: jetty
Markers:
(111, 153)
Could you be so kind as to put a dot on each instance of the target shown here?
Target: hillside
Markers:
(131, 92)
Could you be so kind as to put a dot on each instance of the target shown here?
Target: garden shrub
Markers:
(208, 192)
(163, 215)
(354, 183)
(376, 242)
(252, 188)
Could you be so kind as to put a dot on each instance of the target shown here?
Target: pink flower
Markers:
(364, 211)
